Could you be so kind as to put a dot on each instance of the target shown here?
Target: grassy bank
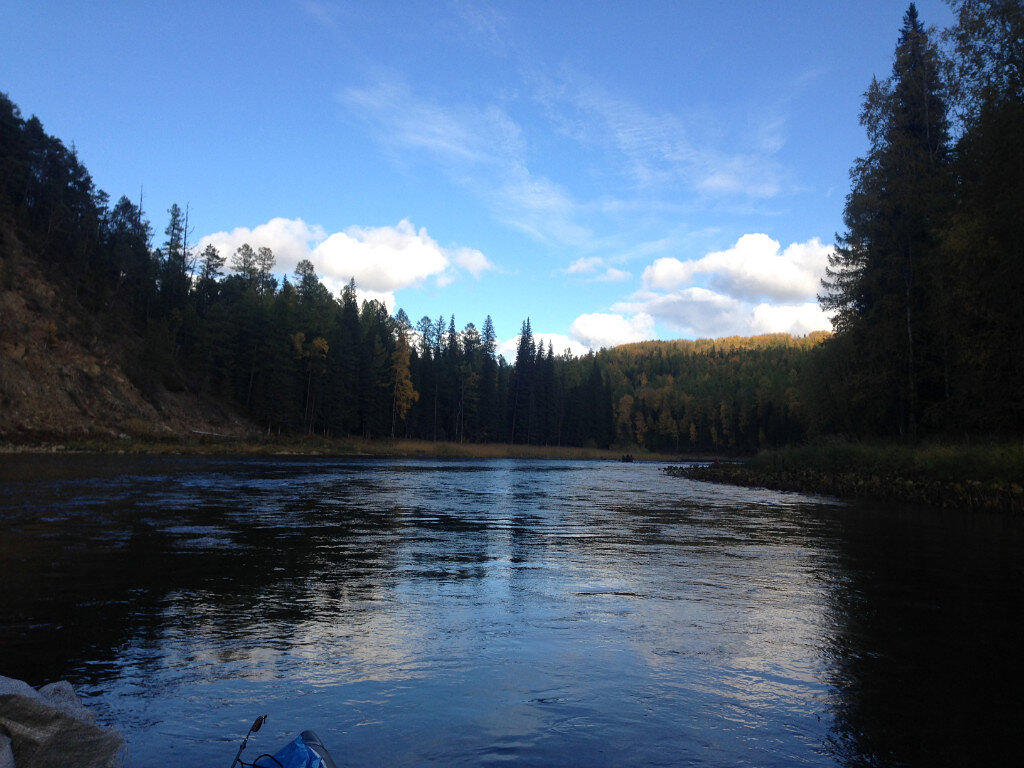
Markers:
(320, 446)
(957, 476)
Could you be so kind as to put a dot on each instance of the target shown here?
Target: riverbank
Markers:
(974, 477)
(225, 445)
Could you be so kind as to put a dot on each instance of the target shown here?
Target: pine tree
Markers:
(243, 262)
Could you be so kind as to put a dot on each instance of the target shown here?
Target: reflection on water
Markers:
(475, 612)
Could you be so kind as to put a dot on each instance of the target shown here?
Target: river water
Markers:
(481, 612)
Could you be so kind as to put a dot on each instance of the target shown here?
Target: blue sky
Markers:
(612, 170)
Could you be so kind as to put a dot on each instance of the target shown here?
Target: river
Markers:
(481, 612)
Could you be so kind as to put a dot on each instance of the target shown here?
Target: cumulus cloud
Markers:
(381, 260)
(753, 268)
(753, 287)
(291, 240)
(598, 330)
(797, 319)
(694, 311)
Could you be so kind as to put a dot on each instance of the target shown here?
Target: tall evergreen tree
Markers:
(884, 279)
(175, 262)
(521, 385)
(489, 406)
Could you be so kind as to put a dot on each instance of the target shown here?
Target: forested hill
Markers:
(733, 394)
(104, 333)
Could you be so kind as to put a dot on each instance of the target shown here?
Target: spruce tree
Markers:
(883, 282)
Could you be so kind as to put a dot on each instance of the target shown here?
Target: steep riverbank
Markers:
(945, 476)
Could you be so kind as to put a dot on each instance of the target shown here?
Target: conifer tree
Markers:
(489, 405)
(521, 385)
(882, 282)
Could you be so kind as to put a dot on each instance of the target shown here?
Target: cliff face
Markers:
(62, 368)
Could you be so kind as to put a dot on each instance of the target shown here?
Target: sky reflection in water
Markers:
(457, 613)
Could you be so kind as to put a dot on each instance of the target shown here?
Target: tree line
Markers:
(925, 286)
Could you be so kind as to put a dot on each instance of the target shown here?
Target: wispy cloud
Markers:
(478, 147)
(666, 151)
(322, 12)
(451, 135)
(594, 269)
(585, 265)
(485, 25)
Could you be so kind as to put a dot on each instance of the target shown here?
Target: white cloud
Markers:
(472, 260)
(382, 260)
(560, 343)
(613, 275)
(694, 311)
(797, 319)
(387, 298)
(291, 240)
(591, 267)
(598, 330)
(754, 287)
(668, 273)
(585, 265)
(753, 268)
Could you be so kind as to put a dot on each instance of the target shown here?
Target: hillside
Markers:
(62, 368)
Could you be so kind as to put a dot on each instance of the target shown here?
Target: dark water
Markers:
(522, 612)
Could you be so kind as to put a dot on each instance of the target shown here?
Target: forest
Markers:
(924, 287)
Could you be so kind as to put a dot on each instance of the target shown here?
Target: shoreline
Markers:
(223, 445)
(892, 485)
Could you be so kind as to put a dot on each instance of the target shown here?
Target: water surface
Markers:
(501, 611)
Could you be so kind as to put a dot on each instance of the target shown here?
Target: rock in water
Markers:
(51, 728)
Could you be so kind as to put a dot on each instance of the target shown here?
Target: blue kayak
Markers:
(305, 751)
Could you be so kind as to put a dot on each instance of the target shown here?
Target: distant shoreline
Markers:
(223, 445)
